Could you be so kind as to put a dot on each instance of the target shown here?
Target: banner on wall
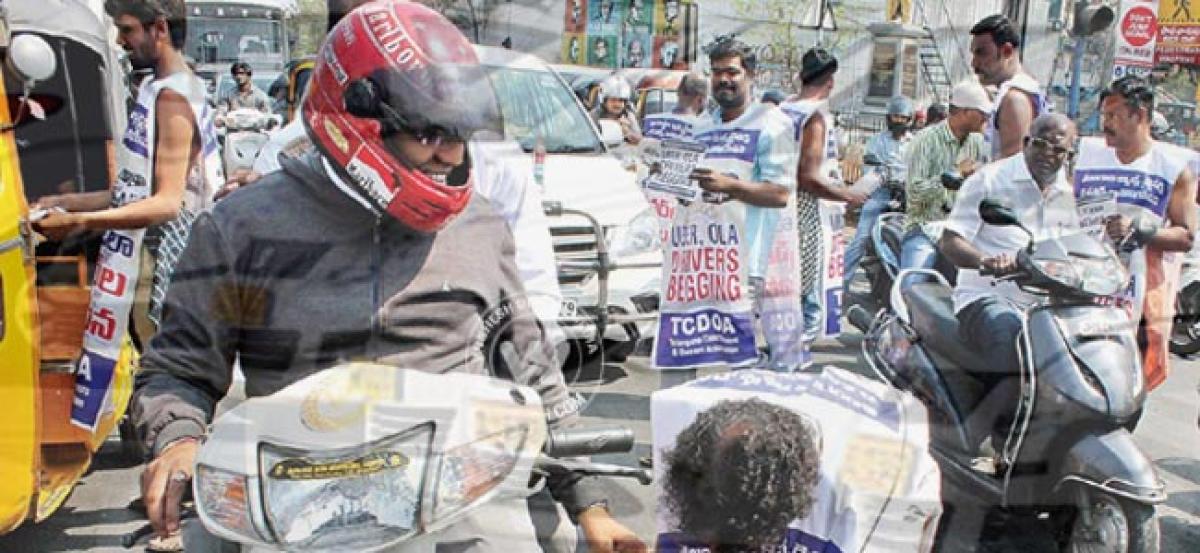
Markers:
(657, 34)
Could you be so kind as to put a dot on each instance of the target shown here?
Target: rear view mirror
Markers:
(610, 133)
(32, 59)
(994, 212)
(952, 180)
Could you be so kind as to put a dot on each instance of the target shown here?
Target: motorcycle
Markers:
(1185, 332)
(366, 457)
(881, 259)
(245, 132)
(1068, 453)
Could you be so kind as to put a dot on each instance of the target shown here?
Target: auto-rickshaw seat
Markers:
(62, 312)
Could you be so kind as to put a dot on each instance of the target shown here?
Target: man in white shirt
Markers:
(1034, 184)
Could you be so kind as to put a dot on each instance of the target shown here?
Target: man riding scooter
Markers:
(988, 310)
(952, 146)
(888, 147)
(372, 246)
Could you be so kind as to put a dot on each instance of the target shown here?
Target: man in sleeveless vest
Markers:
(1156, 217)
(750, 158)
(817, 173)
(168, 166)
(996, 59)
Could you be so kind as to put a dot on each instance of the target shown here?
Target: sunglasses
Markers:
(1045, 146)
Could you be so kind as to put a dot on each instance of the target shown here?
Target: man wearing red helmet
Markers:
(370, 247)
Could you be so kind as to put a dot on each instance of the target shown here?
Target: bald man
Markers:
(988, 309)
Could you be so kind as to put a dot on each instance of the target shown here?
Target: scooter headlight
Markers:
(352, 499)
(224, 499)
(470, 471)
(1101, 277)
(1061, 271)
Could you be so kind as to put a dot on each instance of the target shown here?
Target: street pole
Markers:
(1076, 69)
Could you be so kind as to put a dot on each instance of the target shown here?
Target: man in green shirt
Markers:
(953, 145)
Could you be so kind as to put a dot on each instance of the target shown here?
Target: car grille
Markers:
(573, 243)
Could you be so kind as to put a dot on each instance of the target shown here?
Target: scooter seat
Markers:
(932, 312)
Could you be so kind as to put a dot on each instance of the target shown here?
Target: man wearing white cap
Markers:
(953, 145)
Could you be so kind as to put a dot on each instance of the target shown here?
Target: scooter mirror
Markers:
(997, 213)
(872, 160)
(951, 180)
(31, 58)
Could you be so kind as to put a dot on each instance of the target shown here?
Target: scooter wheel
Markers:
(1116, 525)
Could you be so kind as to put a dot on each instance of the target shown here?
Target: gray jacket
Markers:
(292, 276)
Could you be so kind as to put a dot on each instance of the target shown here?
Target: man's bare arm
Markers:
(1017, 115)
(1181, 211)
(175, 148)
(959, 251)
(812, 159)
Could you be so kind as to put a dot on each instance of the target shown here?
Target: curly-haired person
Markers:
(740, 473)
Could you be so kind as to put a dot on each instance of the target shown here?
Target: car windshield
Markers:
(536, 104)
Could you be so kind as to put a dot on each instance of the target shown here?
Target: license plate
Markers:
(568, 308)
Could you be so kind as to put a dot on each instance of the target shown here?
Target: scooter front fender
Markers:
(1113, 463)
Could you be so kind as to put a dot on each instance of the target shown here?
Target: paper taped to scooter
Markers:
(878, 487)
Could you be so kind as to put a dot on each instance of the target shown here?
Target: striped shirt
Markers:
(932, 152)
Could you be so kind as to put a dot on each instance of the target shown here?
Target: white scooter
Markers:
(245, 133)
(365, 457)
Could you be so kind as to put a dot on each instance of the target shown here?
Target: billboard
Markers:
(657, 34)
(1178, 32)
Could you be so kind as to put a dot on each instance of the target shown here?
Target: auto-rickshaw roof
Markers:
(78, 20)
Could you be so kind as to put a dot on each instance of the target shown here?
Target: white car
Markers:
(581, 175)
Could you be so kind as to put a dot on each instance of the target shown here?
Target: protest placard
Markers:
(669, 168)
(1094, 211)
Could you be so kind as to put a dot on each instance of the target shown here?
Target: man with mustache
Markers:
(162, 184)
(996, 59)
(1155, 194)
(817, 175)
(751, 154)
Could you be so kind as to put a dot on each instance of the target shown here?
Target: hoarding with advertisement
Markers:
(1178, 32)
(658, 34)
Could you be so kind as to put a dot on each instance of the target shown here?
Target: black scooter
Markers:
(1068, 455)
(881, 258)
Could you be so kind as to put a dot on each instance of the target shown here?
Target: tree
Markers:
(784, 29)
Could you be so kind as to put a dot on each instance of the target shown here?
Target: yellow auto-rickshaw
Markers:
(65, 102)
(298, 73)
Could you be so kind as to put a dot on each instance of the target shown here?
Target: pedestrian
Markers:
(1156, 210)
(996, 59)
(162, 183)
(817, 175)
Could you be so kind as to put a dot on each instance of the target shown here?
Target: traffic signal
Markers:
(1091, 18)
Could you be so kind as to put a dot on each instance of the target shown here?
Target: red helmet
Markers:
(388, 67)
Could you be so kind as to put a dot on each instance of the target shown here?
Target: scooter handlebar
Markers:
(583, 442)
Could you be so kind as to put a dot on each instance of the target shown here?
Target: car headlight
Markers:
(471, 470)
(352, 499)
(224, 498)
(643, 234)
